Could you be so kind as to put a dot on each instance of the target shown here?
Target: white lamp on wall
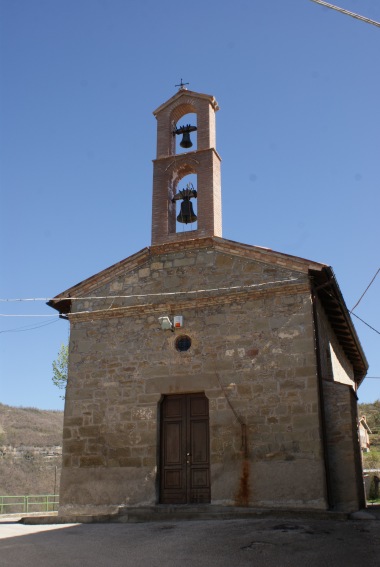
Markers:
(165, 323)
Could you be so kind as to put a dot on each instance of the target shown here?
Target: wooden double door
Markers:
(184, 450)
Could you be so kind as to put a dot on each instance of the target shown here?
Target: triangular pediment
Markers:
(186, 95)
(220, 246)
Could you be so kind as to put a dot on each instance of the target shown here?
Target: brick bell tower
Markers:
(171, 167)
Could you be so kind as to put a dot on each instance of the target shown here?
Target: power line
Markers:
(142, 295)
(161, 294)
(29, 327)
(365, 291)
(347, 12)
(344, 306)
(16, 315)
(373, 329)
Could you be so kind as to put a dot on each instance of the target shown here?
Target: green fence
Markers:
(29, 503)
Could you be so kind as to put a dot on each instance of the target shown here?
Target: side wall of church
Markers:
(342, 427)
(252, 354)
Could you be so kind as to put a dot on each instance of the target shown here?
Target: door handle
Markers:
(188, 458)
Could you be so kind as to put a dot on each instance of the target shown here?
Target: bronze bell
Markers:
(186, 141)
(185, 131)
(186, 214)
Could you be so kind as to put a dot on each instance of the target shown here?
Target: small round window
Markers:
(183, 343)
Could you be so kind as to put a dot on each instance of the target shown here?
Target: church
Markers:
(207, 371)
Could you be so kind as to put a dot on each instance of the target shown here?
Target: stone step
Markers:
(171, 513)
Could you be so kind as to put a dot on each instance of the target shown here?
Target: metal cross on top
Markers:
(182, 86)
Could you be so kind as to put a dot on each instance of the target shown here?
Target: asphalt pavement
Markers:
(262, 542)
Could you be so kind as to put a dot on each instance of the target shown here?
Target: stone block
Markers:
(91, 461)
(304, 422)
(117, 440)
(80, 394)
(223, 261)
(67, 433)
(66, 461)
(138, 451)
(72, 421)
(130, 462)
(89, 431)
(288, 385)
(151, 399)
(306, 371)
(183, 262)
(116, 454)
(96, 447)
(244, 390)
(74, 446)
(150, 462)
(144, 272)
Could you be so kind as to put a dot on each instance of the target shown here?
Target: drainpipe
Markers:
(329, 491)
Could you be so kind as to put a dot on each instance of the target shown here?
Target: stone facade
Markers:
(250, 403)
(252, 355)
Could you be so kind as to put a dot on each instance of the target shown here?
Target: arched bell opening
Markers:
(185, 201)
(185, 133)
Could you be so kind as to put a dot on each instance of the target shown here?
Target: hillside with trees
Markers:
(30, 450)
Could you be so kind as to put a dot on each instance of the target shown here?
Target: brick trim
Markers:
(192, 303)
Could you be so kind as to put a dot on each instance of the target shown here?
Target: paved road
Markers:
(215, 543)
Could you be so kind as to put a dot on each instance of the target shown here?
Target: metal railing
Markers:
(29, 503)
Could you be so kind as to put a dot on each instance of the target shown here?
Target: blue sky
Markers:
(298, 133)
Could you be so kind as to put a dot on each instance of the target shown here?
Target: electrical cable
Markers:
(169, 293)
(373, 329)
(29, 327)
(16, 315)
(113, 297)
(347, 12)
(141, 295)
(345, 307)
(365, 291)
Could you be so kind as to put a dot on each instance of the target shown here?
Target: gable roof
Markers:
(326, 287)
(186, 93)
(323, 285)
(219, 244)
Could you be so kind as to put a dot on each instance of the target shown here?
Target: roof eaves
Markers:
(328, 290)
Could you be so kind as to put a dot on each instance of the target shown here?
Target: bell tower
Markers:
(171, 167)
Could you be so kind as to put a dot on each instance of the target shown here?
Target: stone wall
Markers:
(341, 421)
(344, 459)
(252, 354)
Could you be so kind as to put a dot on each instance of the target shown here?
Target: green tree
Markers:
(60, 368)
